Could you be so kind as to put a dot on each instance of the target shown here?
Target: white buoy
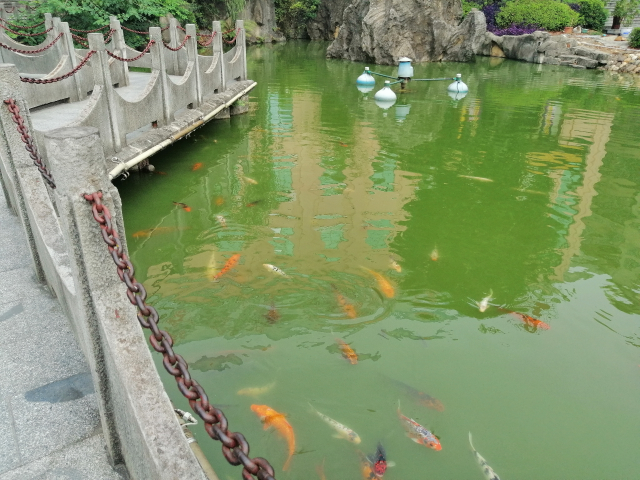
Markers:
(365, 88)
(366, 79)
(458, 86)
(385, 94)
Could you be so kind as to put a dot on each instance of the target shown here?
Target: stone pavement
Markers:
(49, 421)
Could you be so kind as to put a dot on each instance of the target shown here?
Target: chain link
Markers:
(179, 46)
(229, 42)
(29, 52)
(22, 27)
(140, 32)
(62, 77)
(25, 34)
(88, 31)
(81, 40)
(146, 49)
(235, 447)
(208, 42)
(30, 145)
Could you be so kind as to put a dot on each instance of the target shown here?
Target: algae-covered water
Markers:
(527, 189)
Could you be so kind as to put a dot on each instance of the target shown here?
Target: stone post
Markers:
(102, 79)
(138, 421)
(217, 48)
(172, 57)
(241, 42)
(158, 64)
(192, 57)
(65, 47)
(119, 49)
(48, 23)
(13, 155)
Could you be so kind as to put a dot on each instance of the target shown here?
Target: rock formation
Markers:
(329, 17)
(381, 31)
(260, 22)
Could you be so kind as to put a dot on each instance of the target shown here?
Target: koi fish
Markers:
(272, 315)
(221, 220)
(274, 269)
(484, 303)
(366, 467)
(184, 206)
(219, 201)
(228, 266)
(271, 418)
(480, 179)
(347, 351)
(533, 322)
(383, 283)
(253, 204)
(489, 474)
(162, 173)
(197, 166)
(421, 397)
(379, 461)
(342, 431)
(342, 144)
(153, 231)
(255, 391)
(250, 180)
(435, 255)
(348, 308)
(395, 265)
(418, 433)
(320, 470)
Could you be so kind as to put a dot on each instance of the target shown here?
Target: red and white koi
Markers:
(418, 433)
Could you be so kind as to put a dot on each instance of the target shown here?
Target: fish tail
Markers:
(470, 442)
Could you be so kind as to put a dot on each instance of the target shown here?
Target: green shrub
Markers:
(546, 14)
(634, 38)
(592, 14)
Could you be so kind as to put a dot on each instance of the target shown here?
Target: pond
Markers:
(388, 229)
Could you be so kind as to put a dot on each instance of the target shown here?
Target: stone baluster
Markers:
(158, 63)
(48, 23)
(174, 41)
(65, 47)
(112, 138)
(217, 47)
(241, 42)
(121, 69)
(192, 57)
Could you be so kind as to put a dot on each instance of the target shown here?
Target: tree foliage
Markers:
(91, 14)
(293, 15)
(545, 14)
(593, 14)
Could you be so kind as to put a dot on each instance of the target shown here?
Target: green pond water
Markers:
(319, 181)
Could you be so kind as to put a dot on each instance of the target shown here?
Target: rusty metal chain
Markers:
(229, 42)
(111, 32)
(182, 28)
(30, 145)
(62, 77)
(235, 447)
(179, 46)
(25, 34)
(81, 40)
(22, 27)
(28, 52)
(88, 31)
(140, 32)
(146, 49)
(208, 42)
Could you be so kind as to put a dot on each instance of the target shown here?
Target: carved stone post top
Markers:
(96, 42)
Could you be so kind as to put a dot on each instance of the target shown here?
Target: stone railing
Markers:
(179, 77)
(69, 254)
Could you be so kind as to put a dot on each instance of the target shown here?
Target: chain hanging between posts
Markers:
(31, 52)
(208, 42)
(62, 77)
(29, 143)
(235, 37)
(179, 46)
(22, 27)
(146, 49)
(25, 34)
(235, 447)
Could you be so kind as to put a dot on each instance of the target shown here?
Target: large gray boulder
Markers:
(260, 22)
(329, 17)
(382, 31)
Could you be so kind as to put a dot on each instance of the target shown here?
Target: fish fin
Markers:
(391, 464)
(337, 435)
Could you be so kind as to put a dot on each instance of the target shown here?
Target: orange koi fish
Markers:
(320, 470)
(532, 322)
(348, 308)
(197, 166)
(271, 418)
(162, 173)
(227, 266)
(342, 144)
(272, 315)
(347, 351)
(219, 201)
(153, 231)
(254, 203)
(184, 206)
(383, 283)
(435, 255)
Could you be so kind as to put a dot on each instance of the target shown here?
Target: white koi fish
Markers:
(480, 179)
(221, 220)
(489, 474)
(274, 269)
(250, 180)
(395, 265)
(484, 303)
(255, 391)
(342, 431)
